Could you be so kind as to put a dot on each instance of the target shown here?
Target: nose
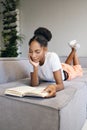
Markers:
(33, 55)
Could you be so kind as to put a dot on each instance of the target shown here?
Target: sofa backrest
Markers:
(12, 69)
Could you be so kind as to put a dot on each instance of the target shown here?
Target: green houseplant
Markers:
(10, 33)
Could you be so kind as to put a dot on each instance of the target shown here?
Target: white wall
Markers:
(67, 19)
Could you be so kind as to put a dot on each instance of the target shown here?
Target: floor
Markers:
(85, 126)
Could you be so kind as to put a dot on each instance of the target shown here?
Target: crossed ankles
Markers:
(74, 44)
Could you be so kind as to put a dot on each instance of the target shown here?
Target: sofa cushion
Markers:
(62, 98)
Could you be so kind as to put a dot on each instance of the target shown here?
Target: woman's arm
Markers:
(53, 88)
(58, 80)
(34, 76)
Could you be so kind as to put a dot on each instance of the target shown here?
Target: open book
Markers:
(26, 91)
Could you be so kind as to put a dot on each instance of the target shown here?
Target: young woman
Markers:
(46, 65)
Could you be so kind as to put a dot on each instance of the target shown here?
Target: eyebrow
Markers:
(35, 50)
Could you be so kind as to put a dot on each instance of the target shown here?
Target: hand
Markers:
(32, 62)
(51, 90)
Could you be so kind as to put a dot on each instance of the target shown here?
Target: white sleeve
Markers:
(55, 62)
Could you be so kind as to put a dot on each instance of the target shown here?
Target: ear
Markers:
(45, 49)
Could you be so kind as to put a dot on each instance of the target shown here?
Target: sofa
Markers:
(66, 111)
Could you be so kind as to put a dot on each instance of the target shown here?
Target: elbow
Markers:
(34, 84)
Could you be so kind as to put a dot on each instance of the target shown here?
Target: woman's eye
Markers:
(38, 52)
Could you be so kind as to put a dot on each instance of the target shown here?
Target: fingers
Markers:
(50, 95)
(29, 58)
(51, 91)
(32, 62)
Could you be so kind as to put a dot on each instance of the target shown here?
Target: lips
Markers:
(35, 60)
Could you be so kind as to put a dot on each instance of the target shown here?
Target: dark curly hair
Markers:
(42, 36)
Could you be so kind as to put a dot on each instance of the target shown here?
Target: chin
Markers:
(36, 61)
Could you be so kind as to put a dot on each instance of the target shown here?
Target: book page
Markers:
(26, 91)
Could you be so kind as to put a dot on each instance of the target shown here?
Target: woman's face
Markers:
(37, 52)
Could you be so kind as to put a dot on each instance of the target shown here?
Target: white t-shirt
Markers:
(52, 63)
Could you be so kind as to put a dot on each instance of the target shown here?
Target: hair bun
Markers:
(44, 32)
